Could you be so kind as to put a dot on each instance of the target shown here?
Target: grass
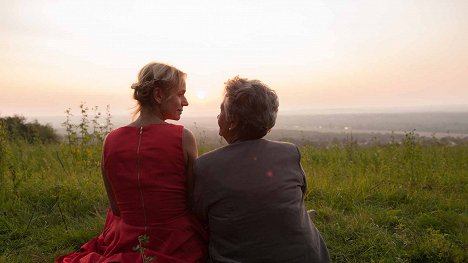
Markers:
(389, 203)
(394, 203)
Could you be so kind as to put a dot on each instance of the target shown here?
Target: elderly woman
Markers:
(251, 192)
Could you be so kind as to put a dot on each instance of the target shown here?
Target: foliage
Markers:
(16, 128)
(140, 248)
(51, 195)
(88, 130)
(401, 202)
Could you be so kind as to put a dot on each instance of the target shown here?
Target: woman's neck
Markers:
(147, 118)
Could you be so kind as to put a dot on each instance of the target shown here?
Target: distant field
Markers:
(443, 123)
(399, 202)
(438, 124)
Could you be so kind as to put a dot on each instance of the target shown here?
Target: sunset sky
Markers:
(317, 55)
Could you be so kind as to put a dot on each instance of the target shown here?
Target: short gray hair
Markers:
(253, 104)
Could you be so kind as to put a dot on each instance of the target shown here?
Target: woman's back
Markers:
(146, 169)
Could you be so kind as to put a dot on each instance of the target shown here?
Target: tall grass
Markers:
(402, 202)
(51, 195)
(392, 203)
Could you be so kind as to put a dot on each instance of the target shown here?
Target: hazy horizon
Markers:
(305, 111)
(316, 126)
(319, 56)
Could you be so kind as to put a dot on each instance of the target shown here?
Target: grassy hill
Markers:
(400, 202)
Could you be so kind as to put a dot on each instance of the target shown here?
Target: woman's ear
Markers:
(158, 95)
(233, 123)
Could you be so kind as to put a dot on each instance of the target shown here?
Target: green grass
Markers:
(51, 200)
(391, 203)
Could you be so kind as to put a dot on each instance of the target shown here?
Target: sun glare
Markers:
(201, 94)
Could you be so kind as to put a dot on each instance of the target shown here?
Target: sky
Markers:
(317, 55)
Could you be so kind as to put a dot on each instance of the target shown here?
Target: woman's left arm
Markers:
(107, 184)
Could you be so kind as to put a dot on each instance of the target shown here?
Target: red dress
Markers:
(146, 170)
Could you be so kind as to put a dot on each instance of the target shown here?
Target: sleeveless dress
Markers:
(146, 171)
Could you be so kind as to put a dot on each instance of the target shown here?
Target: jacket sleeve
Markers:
(303, 178)
(200, 194)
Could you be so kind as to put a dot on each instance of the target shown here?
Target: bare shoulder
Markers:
(189, 145)
(188, 137)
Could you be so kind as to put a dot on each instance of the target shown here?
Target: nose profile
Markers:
(185, 102)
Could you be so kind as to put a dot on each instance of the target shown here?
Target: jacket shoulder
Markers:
(209, 156)
(283, 146)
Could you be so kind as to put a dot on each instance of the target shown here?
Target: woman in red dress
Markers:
(147, 172)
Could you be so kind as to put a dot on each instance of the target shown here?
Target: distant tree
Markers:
(16, 128)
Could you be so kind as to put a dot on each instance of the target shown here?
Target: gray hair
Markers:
(253, 104)
(154, 75)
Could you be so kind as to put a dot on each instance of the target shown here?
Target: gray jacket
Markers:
(251, 194)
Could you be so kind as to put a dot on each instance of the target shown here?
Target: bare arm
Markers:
(190, 155)
(110, 193)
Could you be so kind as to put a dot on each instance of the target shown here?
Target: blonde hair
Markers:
(154, 75)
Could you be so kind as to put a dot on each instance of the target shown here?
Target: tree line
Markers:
(16, 127)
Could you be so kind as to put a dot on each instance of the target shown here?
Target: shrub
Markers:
(16, 128)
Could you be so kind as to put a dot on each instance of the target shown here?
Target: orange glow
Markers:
(316, 55)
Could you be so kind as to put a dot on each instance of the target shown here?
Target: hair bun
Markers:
(135, 86)
(143, 91)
